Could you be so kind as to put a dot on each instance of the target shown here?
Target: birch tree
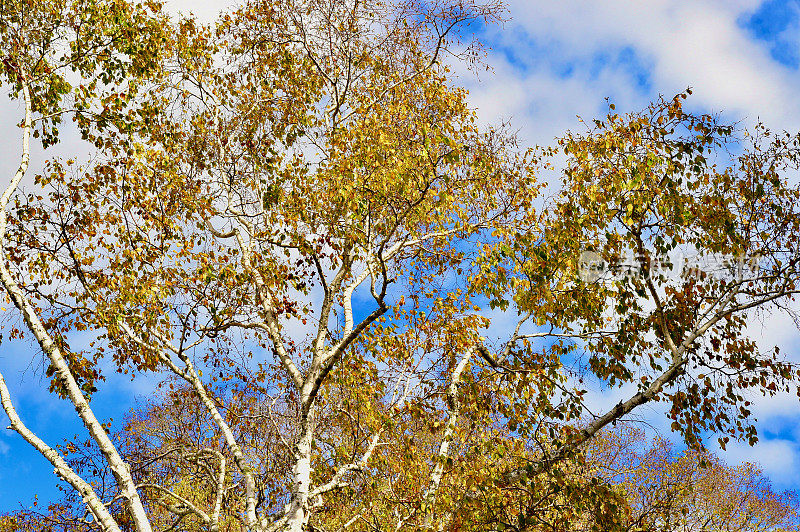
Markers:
(295, 216)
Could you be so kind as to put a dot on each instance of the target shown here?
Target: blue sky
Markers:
(549, 63)
(554, 61)
(775, 24)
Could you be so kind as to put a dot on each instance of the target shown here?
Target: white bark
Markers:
(62, 371)
(62, 469)
(440, 460)
(272, 328)
(190, 375)
(338, 480)
(186, 505)
(220, 489)
(297, 513)
(298, 510)
(230, 440)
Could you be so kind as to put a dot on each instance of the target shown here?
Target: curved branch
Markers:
(62, 469)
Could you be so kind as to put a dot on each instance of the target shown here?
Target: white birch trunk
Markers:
(62, 371)
(298, 511)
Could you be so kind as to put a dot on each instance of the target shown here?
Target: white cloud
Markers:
(778, 458)
(683, 43)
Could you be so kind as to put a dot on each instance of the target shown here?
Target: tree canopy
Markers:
(365, 313)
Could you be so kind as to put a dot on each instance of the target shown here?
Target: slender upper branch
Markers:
(190, 375)
(454, 407)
